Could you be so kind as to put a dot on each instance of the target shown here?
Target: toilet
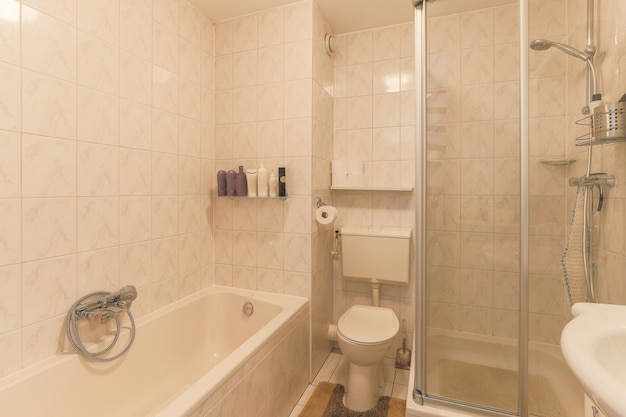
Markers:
(365, 333)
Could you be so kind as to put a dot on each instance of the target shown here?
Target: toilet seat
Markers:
(367, 325)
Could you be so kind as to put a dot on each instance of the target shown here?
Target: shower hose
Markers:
(74, 338)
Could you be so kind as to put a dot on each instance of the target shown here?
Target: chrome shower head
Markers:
(543, 44)
(128, 293)
(540, 45)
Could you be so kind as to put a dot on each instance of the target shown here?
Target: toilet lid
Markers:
(366, 324)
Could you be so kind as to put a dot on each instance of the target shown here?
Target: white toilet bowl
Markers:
(365, 334)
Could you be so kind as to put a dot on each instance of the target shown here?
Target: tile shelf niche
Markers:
(352, 188)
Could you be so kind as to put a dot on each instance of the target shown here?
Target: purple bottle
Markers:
(241, 183)
(221, 182)
(231, 178)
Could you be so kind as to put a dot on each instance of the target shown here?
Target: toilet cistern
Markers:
(381, 254)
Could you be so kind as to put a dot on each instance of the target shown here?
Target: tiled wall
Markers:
(473, 196)
(106, 137)
(474, 164)
(273, 107)
(558, 86)
(474, 152)
(263, 112)
(120, 99)
(322, 151)
(375, 104)
(610, 254)
(375, 123)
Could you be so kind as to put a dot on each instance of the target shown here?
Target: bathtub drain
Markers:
(247, 309)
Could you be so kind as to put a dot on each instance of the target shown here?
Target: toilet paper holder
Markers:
(336, 252)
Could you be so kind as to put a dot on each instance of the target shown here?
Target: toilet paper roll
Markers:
(326, 215)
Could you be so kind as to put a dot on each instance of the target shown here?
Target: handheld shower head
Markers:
(128, 293)
(540, 45)
(543, 44)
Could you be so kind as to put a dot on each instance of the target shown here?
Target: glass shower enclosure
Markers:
(490, 212)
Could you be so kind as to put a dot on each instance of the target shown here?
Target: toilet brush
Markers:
(403, 354)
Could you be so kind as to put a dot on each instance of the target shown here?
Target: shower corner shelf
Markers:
(364, 188)
(586, 141)
(558, 162)
(607, 123)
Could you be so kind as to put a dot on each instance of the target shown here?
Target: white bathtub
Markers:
(544, 360)
(200, 356)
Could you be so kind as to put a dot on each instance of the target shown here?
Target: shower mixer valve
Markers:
(107, 307)
(102, 306)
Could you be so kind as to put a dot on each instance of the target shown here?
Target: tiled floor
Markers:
(335, 369)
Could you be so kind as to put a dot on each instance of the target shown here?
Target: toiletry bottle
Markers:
(231, 183)
(282, 182)
(221, 182)
(251, 176)
(241, 187)
(273, 184)
(262, 182)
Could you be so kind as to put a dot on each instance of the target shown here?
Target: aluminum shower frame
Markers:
(420, 393)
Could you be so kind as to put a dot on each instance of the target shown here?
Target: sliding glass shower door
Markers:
(490, 299)
(473, 200)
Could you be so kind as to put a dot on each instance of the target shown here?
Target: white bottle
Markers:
(262, 182)
(273, 185)
(251, 176)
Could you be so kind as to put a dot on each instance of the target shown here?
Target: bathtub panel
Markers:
(288, 351)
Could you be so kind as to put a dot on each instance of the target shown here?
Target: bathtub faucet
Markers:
(101, 306)
(107, 307)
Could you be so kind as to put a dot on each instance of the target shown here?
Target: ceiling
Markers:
(343, 15)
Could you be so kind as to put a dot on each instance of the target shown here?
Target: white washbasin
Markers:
(594, 347)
